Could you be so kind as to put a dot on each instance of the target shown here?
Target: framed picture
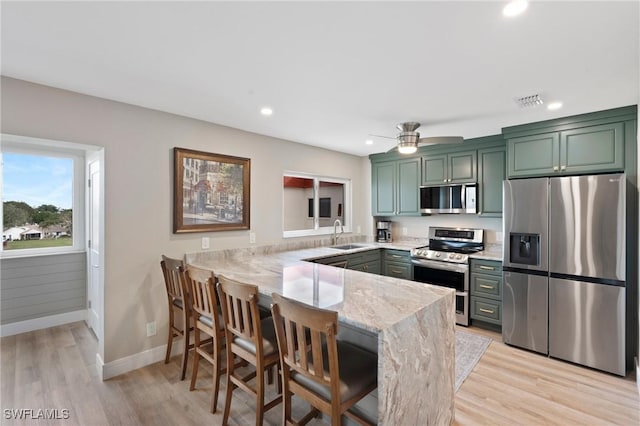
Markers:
(210, 192)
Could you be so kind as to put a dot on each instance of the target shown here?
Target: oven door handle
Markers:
(434, 264)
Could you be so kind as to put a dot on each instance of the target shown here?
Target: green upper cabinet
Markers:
(491, 173)
(579, 150)
(457, 167)
(383, 194)
(592, 149)
(534, 155)
(395, 187)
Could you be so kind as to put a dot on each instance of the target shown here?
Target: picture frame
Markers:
(211, 192)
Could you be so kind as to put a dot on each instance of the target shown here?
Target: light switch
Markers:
(252, 237)
(205, 243)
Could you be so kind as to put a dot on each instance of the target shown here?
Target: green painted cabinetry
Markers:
(455, 167)
(395, 187)
(486, 291)
(581, 150)
(397, 263)
(491, 173)
(365, 261)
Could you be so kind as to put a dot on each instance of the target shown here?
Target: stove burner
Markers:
(450, 245)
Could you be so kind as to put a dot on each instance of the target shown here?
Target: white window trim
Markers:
(320, 230)
(50, 148)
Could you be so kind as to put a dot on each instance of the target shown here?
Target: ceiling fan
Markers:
(409, 140)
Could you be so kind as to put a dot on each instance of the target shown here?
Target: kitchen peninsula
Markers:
(411, 324)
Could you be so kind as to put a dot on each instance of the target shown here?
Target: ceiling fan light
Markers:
(407, 147)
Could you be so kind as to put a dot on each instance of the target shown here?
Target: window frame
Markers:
(317, 229)
(48, 148)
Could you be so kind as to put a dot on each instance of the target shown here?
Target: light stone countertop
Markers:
(414, 322)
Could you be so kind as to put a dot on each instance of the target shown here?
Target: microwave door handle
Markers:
(463, 198)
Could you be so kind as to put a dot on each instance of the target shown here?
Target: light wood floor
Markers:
(55, 368)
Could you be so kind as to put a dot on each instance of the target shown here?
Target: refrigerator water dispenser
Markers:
(524, 248)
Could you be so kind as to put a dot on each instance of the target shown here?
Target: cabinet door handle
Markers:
(397, 256)
(555, 168)
(487, 268)
(486, 311)
(395, 271)
(487, 286)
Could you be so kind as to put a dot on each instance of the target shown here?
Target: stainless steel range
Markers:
(444, 262)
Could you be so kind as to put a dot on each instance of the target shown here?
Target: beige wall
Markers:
(138, 146)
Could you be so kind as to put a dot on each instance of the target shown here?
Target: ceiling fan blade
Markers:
(381, 136)
(441, 140)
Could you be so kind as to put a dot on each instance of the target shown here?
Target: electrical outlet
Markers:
(252, 237)
(404, 231)
(205, 243)
(151, 328)
(358, 230)
(498, 237)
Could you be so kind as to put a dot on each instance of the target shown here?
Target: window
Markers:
(42, 198)
(311, 204)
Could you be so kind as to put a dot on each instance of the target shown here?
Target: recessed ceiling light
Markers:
(554, 106)
(266, 111)
(369, 142)
(515, 7)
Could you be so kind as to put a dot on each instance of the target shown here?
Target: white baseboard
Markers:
(100, 366)
(40, 323)
(638, 374)
(135, 361)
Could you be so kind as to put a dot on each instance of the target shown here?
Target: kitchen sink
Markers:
(350, 246)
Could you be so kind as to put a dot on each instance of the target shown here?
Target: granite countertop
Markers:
(490, 252)
(388, 300)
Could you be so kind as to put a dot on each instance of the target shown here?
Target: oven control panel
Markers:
(425, 253)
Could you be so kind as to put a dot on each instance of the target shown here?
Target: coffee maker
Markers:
(383, 233)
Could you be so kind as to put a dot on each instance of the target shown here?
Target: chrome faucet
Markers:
(334, 238)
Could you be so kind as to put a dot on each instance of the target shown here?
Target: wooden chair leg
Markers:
(185, 353)
(196, 359)
(167, 356)
(216, 375)
(230, 386)
(260, 392)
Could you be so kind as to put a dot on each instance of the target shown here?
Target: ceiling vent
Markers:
(529, 101)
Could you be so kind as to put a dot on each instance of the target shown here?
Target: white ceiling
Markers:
(333, 72)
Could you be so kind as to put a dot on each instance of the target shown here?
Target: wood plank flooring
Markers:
(55, 369)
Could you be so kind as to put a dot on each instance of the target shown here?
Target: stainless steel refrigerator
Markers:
(564, 268)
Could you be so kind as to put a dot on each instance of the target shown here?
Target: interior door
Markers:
(94, 255)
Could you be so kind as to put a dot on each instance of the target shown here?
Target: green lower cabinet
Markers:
(365, 261)
(486, 310)
(486, 292)
(397, 264)
(397, 270)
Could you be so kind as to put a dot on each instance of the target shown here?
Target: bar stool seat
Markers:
(355, 372)
(269, 341)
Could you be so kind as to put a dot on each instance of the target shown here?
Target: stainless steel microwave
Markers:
(448, 199)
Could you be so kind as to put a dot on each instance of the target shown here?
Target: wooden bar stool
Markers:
(178, 297)
(250, 339)
(329, 374)
(207, 319)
